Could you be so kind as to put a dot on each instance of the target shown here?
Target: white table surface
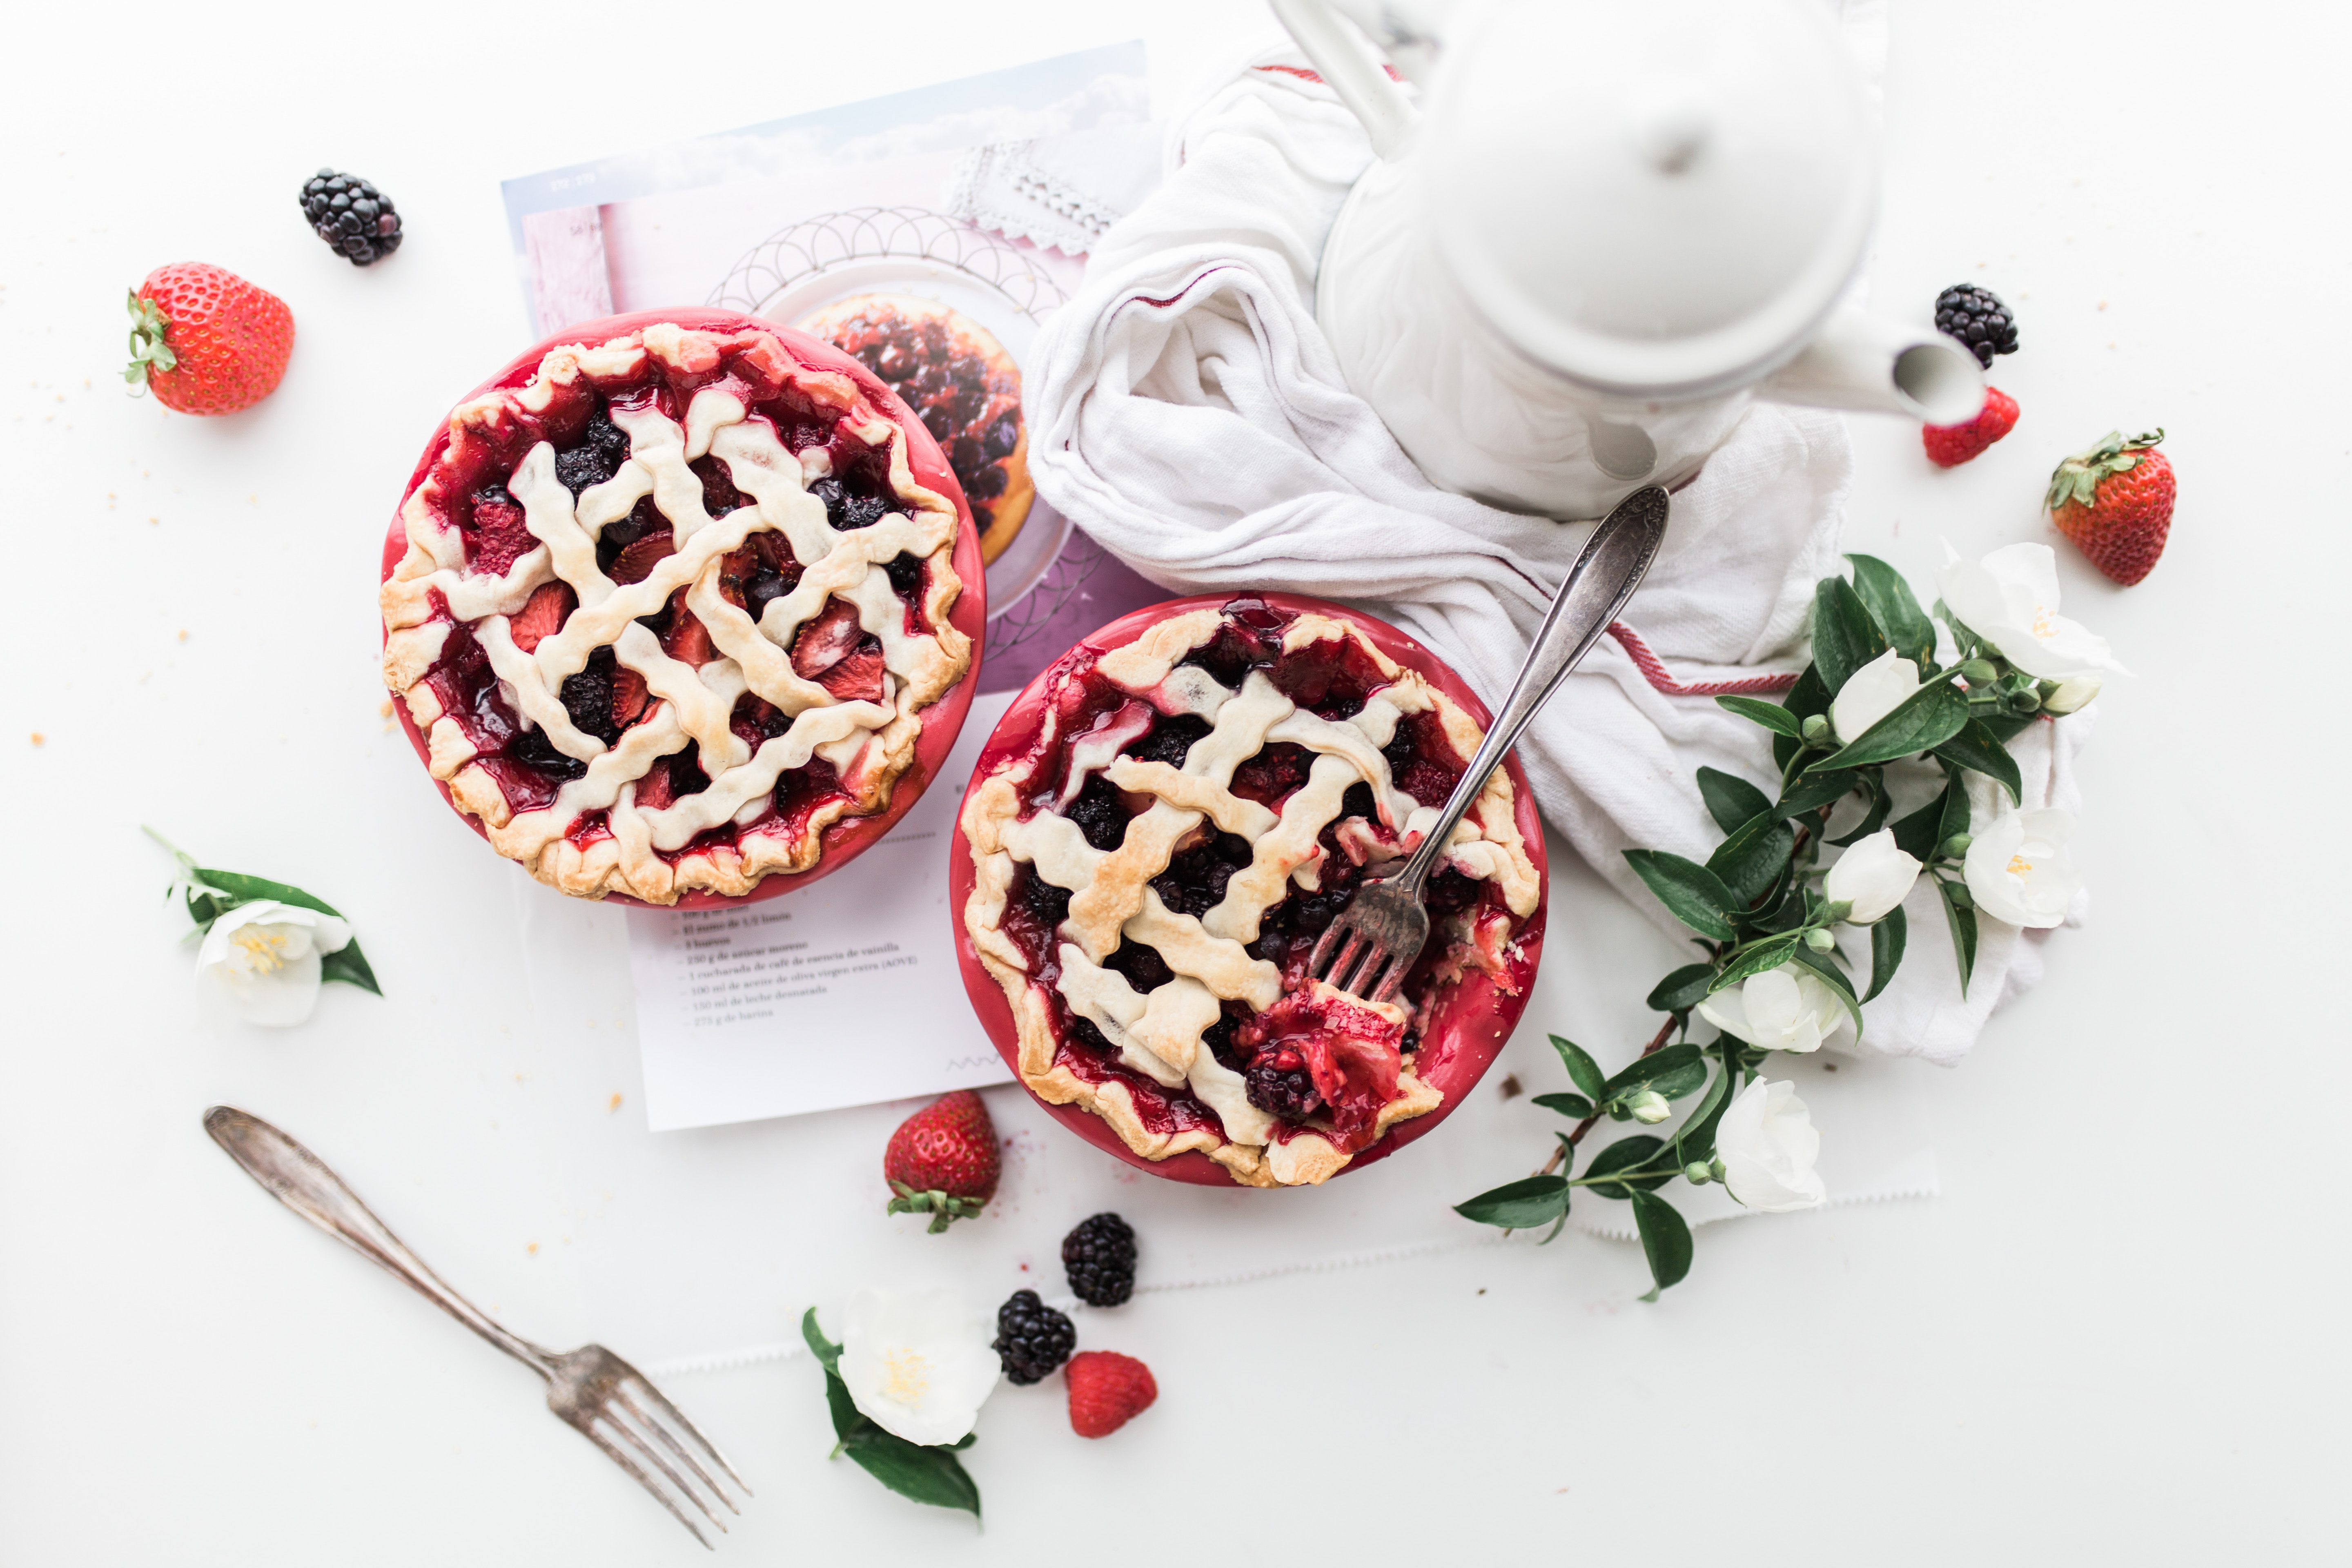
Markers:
(2114, 1338)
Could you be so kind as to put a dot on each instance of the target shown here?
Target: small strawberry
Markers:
(944, 1161)
(628, 696)
(857, 678)
(2114, 501)
(1107, 1389)
(636, 563)
(1949, 446)
(541, 617)
(206, 341)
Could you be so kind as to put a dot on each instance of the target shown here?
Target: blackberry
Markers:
(351, 215)
(764, 588)
(598, 455)
(533, 750)
(1286, 1092)
(906, 575)
(1099, 1257)
(1101, 819)
(1032, 1339)
(1977, 318)
(1049, 903)
(587, 697)
(1171, 739)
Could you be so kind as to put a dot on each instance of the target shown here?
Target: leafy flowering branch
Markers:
(265, 947)
(1766, 912)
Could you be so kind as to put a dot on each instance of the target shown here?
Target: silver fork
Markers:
(591, 1387)
(1368, 949)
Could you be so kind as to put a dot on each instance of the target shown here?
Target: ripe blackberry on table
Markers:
(1032, 1339)
(1977, 318)
(351, 215)
(1100, 1258)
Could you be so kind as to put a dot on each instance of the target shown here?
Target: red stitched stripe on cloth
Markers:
(1654, 672)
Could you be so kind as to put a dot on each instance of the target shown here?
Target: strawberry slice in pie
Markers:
(1153, 859)
(670, 606)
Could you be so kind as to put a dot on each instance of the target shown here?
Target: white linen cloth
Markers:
(1186, 411)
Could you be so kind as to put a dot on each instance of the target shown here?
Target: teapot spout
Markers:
(1863, 362)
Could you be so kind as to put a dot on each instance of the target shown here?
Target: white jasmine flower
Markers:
(1873, 875)
(2018, 870)
(1768, 1145)
(919, 1366)
(262, 958)
(2011, 599)
(1871, 693)
(2074, 694)
(1786, 1009)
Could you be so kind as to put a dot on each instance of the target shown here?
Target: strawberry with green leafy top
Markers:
(2114, 501)
(942, 1161)
(205, 340)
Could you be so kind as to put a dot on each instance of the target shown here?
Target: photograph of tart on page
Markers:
(929, 234)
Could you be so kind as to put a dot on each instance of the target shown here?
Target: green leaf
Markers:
(1749, 861)
(1629, 1155)
(1919, 833)
(1822, 964)
(1813, 791)
(1921, 723)
(1892, 604)
(1772, 715)
(1683, 989)
(1582, 1070)
(1844, 637)
(1956, 811)
(1977, 747)
(1755, 960)
(827, 1354)
(1522, 1205)
(1963, 923)
(226, 890)
(1886, 939)
(928, 1475)
(1695, 1139)
(1666, 1241)
(1574, 1106)
(1730, 799)
(1692, 894)
(1673, 1072)
(1875, 817)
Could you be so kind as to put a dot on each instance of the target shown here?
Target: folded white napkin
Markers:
(1186, 411)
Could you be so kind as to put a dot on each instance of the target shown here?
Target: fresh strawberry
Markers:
(1107, 1389)
(1949, 446)
(628, 695)
(541, 615)
(2114, 501)
(858, 679)
(944, 1161)
(826, 640)
(656, 791)
(205, 340)
(636, 563)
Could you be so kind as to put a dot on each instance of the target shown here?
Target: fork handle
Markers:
(1608, 568)
(302, 1181)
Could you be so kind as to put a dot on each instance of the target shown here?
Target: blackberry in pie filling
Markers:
(670, 606)
(1153, 866)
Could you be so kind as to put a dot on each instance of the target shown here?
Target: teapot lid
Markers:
(1658, 198)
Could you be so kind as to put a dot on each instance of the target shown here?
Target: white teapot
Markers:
(1612, 225)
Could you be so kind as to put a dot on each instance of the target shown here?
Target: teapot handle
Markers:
(1344, 61)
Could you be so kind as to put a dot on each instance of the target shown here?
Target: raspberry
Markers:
(1099, 1256)
(1949, 446)
(1032, 1339)
(1107, 1389)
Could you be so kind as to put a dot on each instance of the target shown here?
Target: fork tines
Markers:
(1370, 947)
(606, 1398)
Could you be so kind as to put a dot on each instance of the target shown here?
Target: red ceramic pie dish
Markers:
(1469, 1021)
(843, 840)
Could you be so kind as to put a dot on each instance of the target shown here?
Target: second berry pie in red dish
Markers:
(1157, 832)
(681, 607)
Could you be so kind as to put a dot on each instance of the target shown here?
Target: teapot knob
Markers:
(1672, 125)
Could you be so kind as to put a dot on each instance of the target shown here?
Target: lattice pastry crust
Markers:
(679, 394)
(1160, 1035)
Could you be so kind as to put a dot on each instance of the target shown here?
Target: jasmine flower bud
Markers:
(1649, 1108)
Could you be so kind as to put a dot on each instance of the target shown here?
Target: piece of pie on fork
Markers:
(683, 602)
(1157, 832)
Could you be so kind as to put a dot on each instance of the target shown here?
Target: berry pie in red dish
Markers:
(681, 607)
(1157, 831)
